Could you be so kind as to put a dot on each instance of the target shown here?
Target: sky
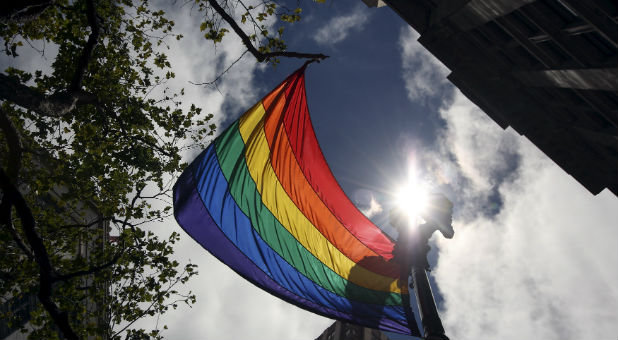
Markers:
(534, 256)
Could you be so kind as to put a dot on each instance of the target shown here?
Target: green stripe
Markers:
(230, 152)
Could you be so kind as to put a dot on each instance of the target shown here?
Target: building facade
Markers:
(340, 330)
(18, 309)
(548, 69)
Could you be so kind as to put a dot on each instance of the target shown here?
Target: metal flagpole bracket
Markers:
(412, 248)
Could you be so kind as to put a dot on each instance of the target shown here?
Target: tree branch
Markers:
(222, 73)
(46, 274)
(247, 41)
(93, 223)
(55, 105)
(154, 300)
(61, 102)
(13, 140)
(8, 222)
(84, 58)
(23, 11)
(90, 270)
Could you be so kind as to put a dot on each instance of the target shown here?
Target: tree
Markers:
(85, 149)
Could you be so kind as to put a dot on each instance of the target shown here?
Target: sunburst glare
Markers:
(413, 196)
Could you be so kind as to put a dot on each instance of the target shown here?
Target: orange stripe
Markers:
(277, 200)
(293, 180)
(270, 98)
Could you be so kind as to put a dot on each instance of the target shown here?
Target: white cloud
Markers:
(544, 264)
(373, 209)
(38, 56)
(480, 146)
(338, 28)
(424, 75)
(484, 156)
(197, 60)
(544, 267)
(229, 307)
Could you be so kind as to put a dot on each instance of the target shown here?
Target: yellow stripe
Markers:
(275, 198)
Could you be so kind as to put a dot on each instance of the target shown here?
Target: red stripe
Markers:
(299, 190)
(313, 164)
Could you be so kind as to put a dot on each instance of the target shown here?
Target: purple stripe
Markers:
(193, 217)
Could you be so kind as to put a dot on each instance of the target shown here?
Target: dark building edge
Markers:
(548, 69)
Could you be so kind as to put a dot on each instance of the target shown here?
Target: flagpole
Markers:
(430, 319)
(412, 248)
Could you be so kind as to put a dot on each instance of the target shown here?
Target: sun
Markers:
(413, 197)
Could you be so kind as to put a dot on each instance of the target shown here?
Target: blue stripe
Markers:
(192, 215)
(213, 189)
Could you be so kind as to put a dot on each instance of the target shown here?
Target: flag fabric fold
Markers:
(262, 199)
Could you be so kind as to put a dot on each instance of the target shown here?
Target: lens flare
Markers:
(413, 197)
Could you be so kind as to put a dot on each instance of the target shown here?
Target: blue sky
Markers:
(358, 98)
(534, 255)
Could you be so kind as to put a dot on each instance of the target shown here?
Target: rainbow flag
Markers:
(262, 199)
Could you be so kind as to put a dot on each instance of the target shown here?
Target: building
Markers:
(19, 309)
(340, 330)
(548, 69)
